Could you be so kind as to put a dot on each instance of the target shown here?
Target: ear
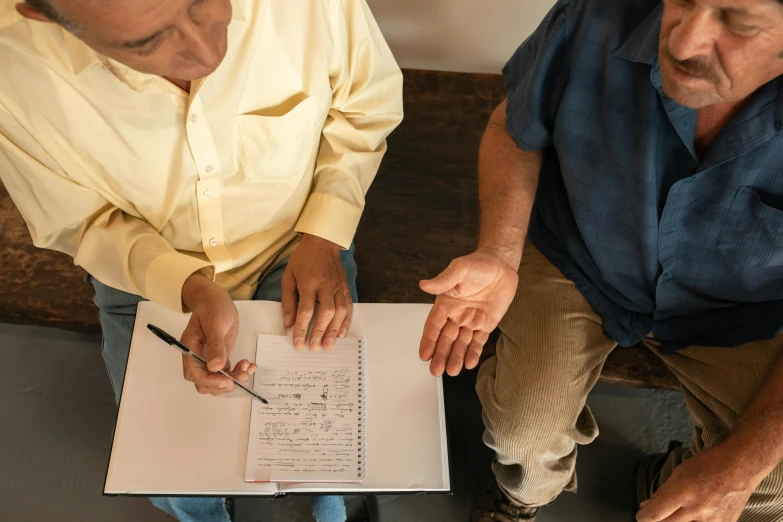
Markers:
(32, 13)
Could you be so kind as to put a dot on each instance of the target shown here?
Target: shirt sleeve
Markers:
(536, 77)
(366, 108)
(119, 250)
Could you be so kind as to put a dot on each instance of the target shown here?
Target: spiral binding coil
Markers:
(361, 409)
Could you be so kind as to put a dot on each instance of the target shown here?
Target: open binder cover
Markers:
(170, 440)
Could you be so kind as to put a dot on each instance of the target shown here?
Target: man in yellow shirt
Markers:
(193, 152)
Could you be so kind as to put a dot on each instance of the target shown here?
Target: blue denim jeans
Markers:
(118, 313)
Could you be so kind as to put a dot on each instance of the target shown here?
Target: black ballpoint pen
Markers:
(169, 339)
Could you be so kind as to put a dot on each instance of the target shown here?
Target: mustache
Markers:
(693, 66)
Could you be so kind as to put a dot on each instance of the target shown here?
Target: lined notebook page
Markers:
(311, 430)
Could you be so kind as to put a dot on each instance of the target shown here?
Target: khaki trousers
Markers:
(549, 356)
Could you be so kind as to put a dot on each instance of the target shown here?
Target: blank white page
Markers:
(311, 429)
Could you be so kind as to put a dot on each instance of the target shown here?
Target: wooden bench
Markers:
(422, 211)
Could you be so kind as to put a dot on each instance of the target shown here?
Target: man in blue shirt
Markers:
(640, 151)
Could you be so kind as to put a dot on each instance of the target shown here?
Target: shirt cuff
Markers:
(166, 275)
(330, 218)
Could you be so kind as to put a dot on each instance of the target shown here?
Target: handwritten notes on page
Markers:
(312, 429)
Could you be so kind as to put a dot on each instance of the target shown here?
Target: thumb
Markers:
(446, 280)
(216, 354)
(191, 337)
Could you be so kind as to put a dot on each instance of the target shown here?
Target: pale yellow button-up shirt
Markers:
(144, 184)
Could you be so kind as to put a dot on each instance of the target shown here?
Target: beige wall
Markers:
(457, 35)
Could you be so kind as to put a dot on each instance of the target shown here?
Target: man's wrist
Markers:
(745, 461)
(311, 240)
(509, 256)
(192, 287)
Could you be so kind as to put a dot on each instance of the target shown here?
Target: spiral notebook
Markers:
(312, 429)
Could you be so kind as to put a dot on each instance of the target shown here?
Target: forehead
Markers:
(748, 6)
(122, 19)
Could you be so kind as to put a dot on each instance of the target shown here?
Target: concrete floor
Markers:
(57, 416)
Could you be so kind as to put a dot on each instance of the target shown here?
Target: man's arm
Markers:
(475, 291)
(508, 178)
(757, 439)
(716, 484)
(119, 250)
(366, 107)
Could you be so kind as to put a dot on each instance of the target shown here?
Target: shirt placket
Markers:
(208, 187)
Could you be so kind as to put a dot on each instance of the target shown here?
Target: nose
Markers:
(201, 46)
(695, 36)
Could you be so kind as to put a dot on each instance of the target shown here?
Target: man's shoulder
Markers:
(16, 31)
(29, 51)
(29, 41)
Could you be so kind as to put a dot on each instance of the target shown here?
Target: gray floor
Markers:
(57, 415)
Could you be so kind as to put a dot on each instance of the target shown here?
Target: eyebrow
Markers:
(141, 42)
(739, 11)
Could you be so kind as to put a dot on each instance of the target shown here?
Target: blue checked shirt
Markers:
(656, 239)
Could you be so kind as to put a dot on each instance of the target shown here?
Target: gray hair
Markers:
(46, 8)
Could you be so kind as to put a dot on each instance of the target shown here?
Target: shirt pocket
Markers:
(752, 233)
(280, 148)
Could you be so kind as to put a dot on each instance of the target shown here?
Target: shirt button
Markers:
(213, 242)
(208, 169)
(193, 118)
(207, 193)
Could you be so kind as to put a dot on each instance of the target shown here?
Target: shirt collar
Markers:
(642, 45)
(83, 56)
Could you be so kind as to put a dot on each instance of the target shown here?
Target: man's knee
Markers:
(532, 416)
(525, 438)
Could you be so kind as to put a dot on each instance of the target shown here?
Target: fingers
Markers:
(443, 348)
(215, 353)
(304, 314)
(326, 312)
(243, 371)
(683, 516)
(660, 508)
(446, 280)
(209, 383)
(475, 348)
(346, 326)
(436, 320)
(342, 306)
(210, 337)
(204, 380)
(458, 351)
(289, 299)
(679, 516)
(335, 310)
(193, 370)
